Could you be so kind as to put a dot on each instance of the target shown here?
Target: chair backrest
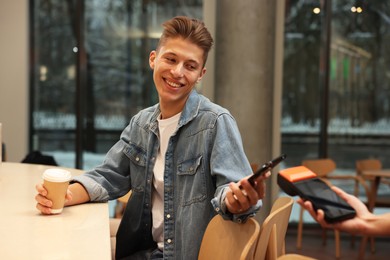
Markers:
(271, 243)
(367, 164)
(321, 167)
(225, 239)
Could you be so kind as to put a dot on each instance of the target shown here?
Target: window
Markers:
(358, 123)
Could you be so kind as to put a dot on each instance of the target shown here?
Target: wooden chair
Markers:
(365, 165)
(224, 239)
(295, 257)
(121, 205)
(271, 243)
(324, 169)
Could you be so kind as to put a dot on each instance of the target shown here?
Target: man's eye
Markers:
(170, 59)
(191, 67)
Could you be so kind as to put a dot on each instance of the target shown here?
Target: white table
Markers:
(79, 232)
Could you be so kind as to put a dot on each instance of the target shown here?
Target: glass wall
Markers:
(90, 72)
(53, 88)
(301, 78)
(359, 89)
(358, 85)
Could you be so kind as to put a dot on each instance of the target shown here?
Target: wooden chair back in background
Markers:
(271, 243)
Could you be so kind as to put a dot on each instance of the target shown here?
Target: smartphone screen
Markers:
(323, 197)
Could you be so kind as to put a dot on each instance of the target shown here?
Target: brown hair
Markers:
(188, 28)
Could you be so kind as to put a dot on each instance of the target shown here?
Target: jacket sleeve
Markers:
(229, 164)
(111, 179)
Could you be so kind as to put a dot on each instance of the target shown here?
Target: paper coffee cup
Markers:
(56, 182)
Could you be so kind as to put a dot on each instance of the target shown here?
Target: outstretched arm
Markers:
(364, 222)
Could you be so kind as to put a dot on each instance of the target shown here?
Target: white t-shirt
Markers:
(166, 127)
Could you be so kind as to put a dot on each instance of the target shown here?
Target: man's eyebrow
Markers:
(170, 53)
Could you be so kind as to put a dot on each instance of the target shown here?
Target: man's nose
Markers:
(177, 70)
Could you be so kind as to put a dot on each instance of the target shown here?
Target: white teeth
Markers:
(172, 84)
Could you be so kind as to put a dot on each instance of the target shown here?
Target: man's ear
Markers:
(201, 75)
(152, 59)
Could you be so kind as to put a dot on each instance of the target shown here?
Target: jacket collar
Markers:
(189, 112)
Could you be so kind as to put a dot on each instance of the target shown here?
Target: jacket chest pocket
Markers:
(138, 159)
(191, 180)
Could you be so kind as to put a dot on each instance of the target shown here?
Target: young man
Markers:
(183, 159)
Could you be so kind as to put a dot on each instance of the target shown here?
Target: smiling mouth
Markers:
(173, 84)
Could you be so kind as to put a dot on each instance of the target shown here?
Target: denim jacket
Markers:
(203, 156)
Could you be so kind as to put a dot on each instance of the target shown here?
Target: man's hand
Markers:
(43, 203)
(356, 225)
(76, 194)
(242, 195)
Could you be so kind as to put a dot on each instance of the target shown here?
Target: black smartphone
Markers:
(323, 197)
(265, 168)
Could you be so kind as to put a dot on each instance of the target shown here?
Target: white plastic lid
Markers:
(56, 175)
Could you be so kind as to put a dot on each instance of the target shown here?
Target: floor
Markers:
(312, 245)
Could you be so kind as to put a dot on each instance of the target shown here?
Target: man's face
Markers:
(178, 66)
